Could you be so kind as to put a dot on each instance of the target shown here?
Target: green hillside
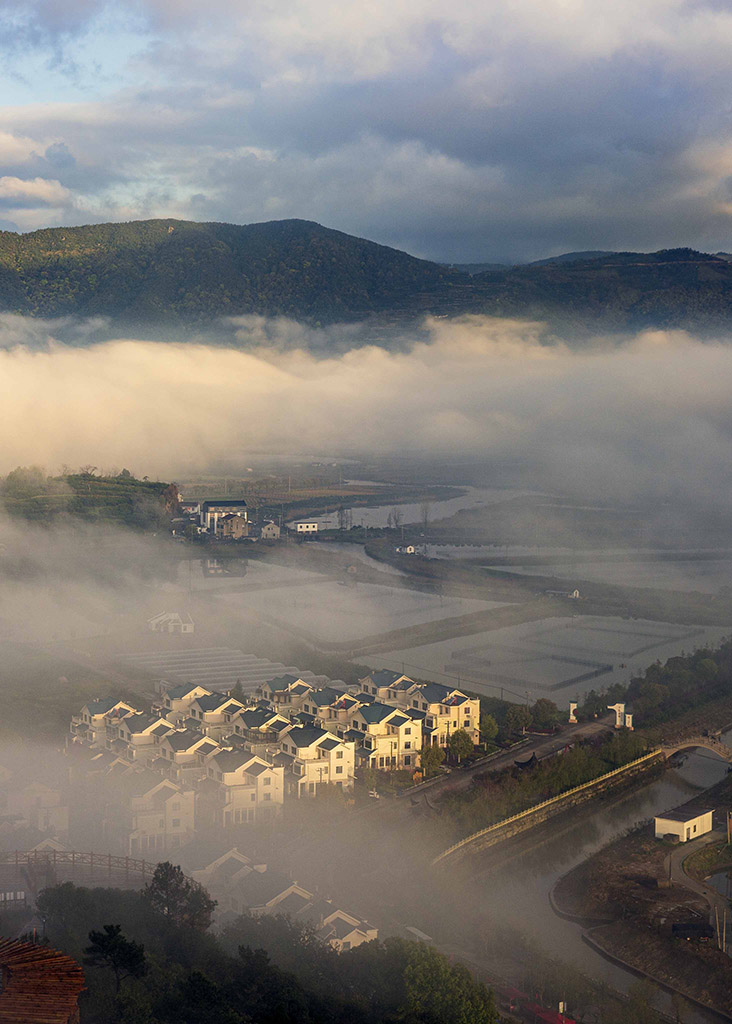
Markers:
(161, 269)
(176, 273)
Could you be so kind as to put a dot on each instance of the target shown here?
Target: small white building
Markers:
(306, 528)
(686, 823)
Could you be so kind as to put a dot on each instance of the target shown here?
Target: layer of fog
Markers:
(650, 417)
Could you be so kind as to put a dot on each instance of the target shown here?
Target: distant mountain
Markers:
(177, 273)
(477, 268)
(672, 288)
(573, 257)
(162, 269)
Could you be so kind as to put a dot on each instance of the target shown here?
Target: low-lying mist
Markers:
(648, 418)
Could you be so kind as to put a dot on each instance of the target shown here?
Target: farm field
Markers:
(330, 610)
(705, 576)
(557, 658)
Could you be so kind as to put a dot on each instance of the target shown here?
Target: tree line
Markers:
(151, 959)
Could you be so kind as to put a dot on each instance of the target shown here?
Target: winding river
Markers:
(523, 889)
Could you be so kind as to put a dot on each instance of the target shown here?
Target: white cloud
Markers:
(629, 421)
(38, 190)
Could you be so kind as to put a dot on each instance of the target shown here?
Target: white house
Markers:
(250, 788)
(171, 622)
(178, 699)
(306, 528)
(314, 758)
(215, 508)
(686, 823)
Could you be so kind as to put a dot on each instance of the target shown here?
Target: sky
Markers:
(503, 131)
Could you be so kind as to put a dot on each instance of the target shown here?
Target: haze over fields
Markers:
(648, 419)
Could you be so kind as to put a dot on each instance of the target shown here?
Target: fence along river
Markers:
(521, 889)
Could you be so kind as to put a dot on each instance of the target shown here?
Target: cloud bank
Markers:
(454, 130)
(650, 418)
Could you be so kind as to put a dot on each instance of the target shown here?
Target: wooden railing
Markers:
(130, 866)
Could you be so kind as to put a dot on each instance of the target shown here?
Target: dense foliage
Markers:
(665, 692)
(28, 492)
(179, 271)
(261, 971)
(151, 270)
(493, 797)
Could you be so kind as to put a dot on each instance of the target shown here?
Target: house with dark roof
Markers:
(286, 693)
(177, 700)
(447, 709)
(142, 733)
(213, 713)
(389, 738)
(320, 758)
(215, 508)
(91, 724)
(250, 788)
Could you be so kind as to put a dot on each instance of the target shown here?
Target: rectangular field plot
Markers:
(218, 668)
(555, 658)
(334, 611)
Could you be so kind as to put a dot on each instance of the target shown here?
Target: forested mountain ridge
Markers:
(181, 269)
(181, 272)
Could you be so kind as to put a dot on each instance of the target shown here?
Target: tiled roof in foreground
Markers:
(40, 985)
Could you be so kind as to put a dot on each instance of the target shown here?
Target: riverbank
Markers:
(627, 898)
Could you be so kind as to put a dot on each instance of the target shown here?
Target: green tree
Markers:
(544, 714)
(460, 744)
(488, 728)
(432, 757)
(438, 991)
(518, 719)
(179, 898)
(109, 948)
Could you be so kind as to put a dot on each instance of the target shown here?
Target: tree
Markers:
(460, 744)
(125, 957)
(179, 898)
(544, 714)
(437, 990)
(518, 718)
(488, 728)
(424, 510)
(431, 758)
(237, 692)
(397, 517)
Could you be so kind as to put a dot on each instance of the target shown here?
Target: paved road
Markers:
(718, 903)
(542, 746)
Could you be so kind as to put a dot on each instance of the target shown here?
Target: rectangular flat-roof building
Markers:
(686, 823)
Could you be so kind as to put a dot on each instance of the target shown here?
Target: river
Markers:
(523, 890)
(377, 515)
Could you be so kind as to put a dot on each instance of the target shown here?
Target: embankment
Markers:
(539, 813)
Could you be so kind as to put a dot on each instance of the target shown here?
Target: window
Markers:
(267, 796)
(408, 732)
(267, 782)
(176, 823)
(175, 806)
(253, 796)
(339, 754)
(339, 769)
(407, 760)
(407, 745)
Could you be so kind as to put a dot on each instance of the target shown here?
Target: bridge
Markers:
(33, 870)
(712, 743)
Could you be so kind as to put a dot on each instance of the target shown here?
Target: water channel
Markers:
(523, 889)
(377, 515)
